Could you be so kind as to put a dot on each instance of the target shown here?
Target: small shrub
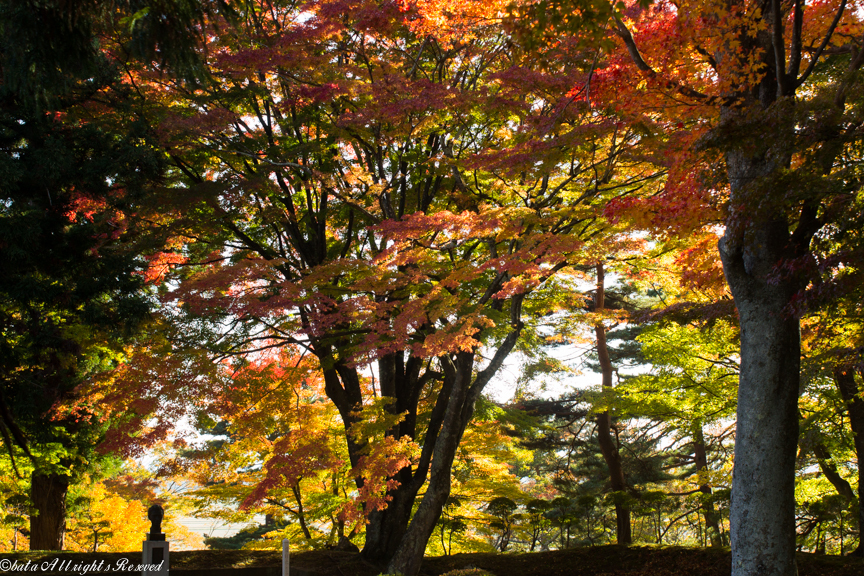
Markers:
(468, 572)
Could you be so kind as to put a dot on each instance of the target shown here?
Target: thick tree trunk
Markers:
(48, 524)
(402, 381)
(712, 519)
(608, 446)
(460, 392)
(387, 527)
(844, 378)
(409, 554)
(762, 513)
(766, 227)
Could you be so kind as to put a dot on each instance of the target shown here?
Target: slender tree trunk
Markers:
(48, 524)
(301, 514)
(829, 470)
(604, 421)
(844, 378)
(443, 547)
(712, 519)
(762, 512)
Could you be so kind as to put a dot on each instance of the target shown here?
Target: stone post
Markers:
(155, 547)
(285, 568)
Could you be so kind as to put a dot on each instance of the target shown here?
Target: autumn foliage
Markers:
(358, 213)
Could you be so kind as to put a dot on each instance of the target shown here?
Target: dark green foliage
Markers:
(503, 509)
(71, 292)
(50, 48)
(75, 162)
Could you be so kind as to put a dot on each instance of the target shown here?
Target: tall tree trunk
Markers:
(765, 228)
(712, 519)
(48, 524)
(762, 512)
(463, 394)
(844, 378)
(402, 381)
(608, 446)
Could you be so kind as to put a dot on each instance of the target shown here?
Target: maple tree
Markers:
(380, 202)
(107, 521)
(16, 509)
(387, 199)
(103, 520)
(280, 452)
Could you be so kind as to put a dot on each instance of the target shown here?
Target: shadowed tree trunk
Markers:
(389, 535)
(608, 446)
(48, 525)
(712, 518)
(844, 378)
(386, 527)
(761, 233)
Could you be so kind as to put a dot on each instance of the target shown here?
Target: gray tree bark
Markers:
(766, 226)
(762, 512)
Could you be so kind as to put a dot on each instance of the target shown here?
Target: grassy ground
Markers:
(598, 561)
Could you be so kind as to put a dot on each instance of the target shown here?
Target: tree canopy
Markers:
(316, 232)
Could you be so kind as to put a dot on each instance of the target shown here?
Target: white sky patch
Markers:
(213, 528)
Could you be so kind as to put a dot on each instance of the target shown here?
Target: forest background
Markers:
(278, 250)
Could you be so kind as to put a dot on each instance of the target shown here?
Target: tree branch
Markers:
(815, 59)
